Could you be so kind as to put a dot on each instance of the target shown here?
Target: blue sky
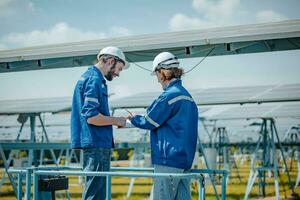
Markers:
(27, 23)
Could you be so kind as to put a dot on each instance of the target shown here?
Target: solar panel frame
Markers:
(202, 97)
(219, 96)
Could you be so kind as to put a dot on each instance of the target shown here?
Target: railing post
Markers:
(224, 183)
(20, 186)
(28, 183)
(108, 187)
(35, 186)
(201, 188)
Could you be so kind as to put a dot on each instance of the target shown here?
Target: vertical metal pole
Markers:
(201, 188)
(212, 179)
(259, 182)
(67, 157)
(47, 139)
(35, 186)
(28, 183)
(298, 176)
(81, 178)
(224, 183)
(207, 166)
(253, 170)
(32, 139)
(265, 158)
(41, 156)
(275, 168)
(108, 187)
(20, 186)
(281, 150)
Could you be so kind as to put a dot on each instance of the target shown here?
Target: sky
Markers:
(26, 23)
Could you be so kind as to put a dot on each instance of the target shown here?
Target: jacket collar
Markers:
(99, 73)
(173, 82)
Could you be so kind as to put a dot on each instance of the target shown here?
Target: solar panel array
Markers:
(212, 96)
(58, 125)
(219, 96)
(141, 100)
(228, 95)
(286, 110)
(35, 105)
(253, 38)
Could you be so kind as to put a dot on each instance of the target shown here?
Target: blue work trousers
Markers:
(170, 188)
(95, 160)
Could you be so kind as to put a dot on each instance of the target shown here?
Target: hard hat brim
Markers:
(127, 65)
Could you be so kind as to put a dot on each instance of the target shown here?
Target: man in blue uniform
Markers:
(91, 123)
(173, 121)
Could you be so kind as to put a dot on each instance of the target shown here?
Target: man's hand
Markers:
(120, 122)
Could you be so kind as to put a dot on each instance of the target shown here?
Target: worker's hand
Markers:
(130, 115)
(120, 122)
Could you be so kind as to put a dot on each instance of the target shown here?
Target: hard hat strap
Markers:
(162, 66)
(174, 58)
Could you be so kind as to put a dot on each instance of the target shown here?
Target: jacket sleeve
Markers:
(91, 94)
(158, 113)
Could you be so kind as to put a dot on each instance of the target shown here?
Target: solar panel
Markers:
(275, 36)
(220, 96)
(228, 95)
(203, 97)
(283, 110)
(141, 100)
(35, 105)
(281, 92)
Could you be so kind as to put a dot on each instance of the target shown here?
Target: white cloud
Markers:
(217, 9)
(213, 14)
(59, 33)
(218, 13)
(269, 16)
(183, 22)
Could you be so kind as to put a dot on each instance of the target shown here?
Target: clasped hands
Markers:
(121, 121)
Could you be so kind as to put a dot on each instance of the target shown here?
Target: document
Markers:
(129, 124)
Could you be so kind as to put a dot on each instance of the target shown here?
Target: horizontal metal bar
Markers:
(17, 171)
(118, 174)
(139, 169)
(34, 146)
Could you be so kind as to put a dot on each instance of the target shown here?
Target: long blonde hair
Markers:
(169, 74)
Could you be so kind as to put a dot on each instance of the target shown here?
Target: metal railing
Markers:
(115, 172)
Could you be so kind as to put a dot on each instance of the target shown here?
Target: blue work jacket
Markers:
(90, 98)
(173, 121)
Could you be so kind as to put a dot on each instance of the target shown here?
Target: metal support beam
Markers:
(269, 160)
(6, 167)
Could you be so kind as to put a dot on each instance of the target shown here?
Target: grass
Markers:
(142, 187)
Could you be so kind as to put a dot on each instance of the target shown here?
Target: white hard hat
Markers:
(165, 60)
(116, 52)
